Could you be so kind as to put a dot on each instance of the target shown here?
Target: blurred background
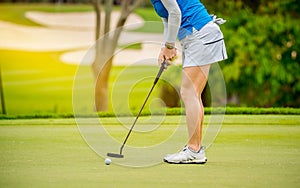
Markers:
(42, 42)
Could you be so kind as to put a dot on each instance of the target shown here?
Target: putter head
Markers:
(115, 155)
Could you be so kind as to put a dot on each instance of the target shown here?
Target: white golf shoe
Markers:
(187, 156)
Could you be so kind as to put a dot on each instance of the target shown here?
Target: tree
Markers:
(105, 47)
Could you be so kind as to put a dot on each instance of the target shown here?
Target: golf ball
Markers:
(107, 161)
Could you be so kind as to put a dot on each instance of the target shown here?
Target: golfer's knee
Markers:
(188, 94)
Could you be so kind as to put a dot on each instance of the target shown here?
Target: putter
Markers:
(120, 155)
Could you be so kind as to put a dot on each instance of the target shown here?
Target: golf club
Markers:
(116, 155)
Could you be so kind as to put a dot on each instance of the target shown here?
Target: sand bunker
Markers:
(70, 31)
(83, 20)
(20, 37)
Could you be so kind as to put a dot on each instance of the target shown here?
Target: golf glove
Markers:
(218, 21)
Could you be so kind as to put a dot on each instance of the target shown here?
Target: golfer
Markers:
(202, 44)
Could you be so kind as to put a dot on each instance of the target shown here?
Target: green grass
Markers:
(136, 46)
(153, 23)
(250, 151)
(158, 112)
(38, 82)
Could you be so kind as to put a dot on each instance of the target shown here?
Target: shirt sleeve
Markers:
(165, 23)
(174, 20)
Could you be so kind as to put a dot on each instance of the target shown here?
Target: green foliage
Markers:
(263, 66)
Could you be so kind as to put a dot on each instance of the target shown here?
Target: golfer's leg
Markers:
(193, 82)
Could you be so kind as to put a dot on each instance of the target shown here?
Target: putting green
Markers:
(250, 151)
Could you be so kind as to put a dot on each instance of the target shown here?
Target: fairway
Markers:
(250, 151)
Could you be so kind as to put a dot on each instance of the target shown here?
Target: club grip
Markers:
(162, 67)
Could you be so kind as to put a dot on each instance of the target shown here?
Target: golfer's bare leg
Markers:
(193, 82)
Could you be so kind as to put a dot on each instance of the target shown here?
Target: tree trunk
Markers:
(101, 87)
(101, 69)
(105, 47)
(108, 9)
(97, 7)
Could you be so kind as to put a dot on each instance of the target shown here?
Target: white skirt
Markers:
(203, 47)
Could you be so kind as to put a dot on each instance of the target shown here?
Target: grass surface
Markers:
(153, 23)
(250, 151)
(36, 82)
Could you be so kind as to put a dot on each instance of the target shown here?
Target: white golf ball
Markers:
(107, 161)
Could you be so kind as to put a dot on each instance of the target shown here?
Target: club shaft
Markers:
(137, 117)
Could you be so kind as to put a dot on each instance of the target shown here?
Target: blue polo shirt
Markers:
(193, 15)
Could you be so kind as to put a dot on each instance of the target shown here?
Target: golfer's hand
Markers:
(168, 55)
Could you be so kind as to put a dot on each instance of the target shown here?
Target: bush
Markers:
(263, 65)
